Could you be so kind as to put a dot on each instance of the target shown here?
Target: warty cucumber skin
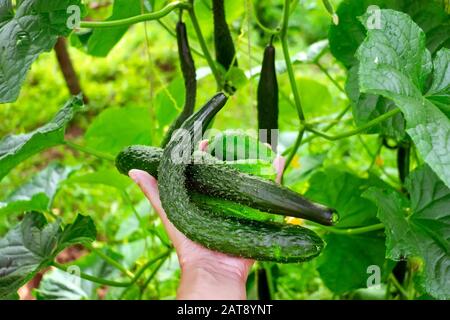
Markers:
(238, 237)
(221, 181)
(214, 178)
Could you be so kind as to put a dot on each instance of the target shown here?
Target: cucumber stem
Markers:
(91, 278)
(356, 131)
(89, 151)
(262, 26)
(204, 47)
(141, 271)
(136, 19)
(109, 260)
(152, 275)
(294, 150)
(328, 75)
(287, 58)
(353, 231)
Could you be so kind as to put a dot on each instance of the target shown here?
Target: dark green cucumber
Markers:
(238, 237)
(231, 181)
(190, 80)
(268, 97)
(218, 180)
(224, 45)
(147, 158)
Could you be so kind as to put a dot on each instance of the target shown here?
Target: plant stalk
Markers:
(136, 19)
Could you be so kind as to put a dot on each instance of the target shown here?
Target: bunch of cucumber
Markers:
(230, 206)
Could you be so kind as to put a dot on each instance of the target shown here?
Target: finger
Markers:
(279, 163)
(203, 145)
(149, 187)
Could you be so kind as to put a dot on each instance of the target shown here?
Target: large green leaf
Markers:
(342, 190)
(425, 233)
(102, 41)
(61, 285)
(33, 244)
(366, 107)
(346, 37)
(38, 193)
(344, 263)
(32, 30)
(107, 177)
(117, 128)
(16, 148)
(439, 92)
(398, 70)
(169, 101)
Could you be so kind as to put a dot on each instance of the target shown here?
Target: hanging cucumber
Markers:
(268, 96)
(224, 45)
(190, 80)
(232, 181)
(238, 237)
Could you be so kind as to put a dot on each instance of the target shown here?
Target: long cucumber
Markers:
(237, 181)
(238, 237)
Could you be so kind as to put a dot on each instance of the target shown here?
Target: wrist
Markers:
(212, 280)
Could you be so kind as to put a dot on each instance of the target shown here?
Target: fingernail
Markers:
(134, 175)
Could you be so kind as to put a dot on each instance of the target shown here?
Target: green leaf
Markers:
(32, 30)
(439, 92)
(6, 11)
(425, 233)
(347, 36)
(169, 101)
(392, 212)
(60, 285)
(366, 107)
(312, 53)
(16, 148)
(102, 41)
(82, 230)
(236, 77)
(38, 193)
(399, 73)
(315, 96)
(116, 128)
(354, 254)
(342, 190)
(33, 244)
(107, 177)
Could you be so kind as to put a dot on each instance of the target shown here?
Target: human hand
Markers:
(205, 274)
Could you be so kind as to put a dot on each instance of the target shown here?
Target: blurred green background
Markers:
(134, 94)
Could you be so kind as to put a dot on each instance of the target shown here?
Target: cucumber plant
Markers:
(361, 109)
